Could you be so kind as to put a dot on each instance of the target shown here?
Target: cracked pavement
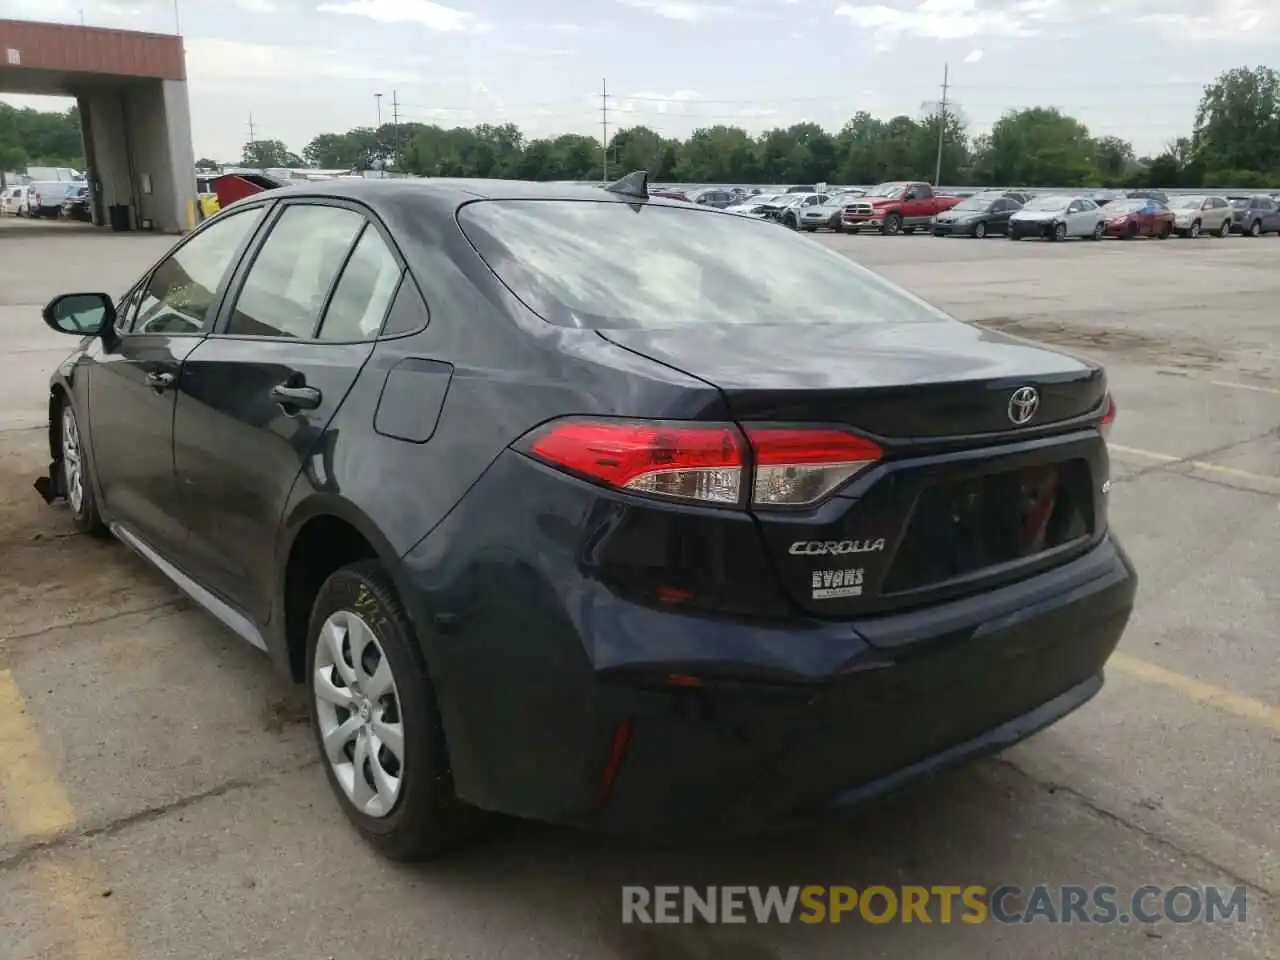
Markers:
(197, 822)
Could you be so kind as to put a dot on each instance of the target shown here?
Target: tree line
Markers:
(39, 139)
(1234, 141)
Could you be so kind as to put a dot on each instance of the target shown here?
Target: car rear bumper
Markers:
(563, 701)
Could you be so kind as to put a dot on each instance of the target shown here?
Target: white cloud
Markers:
(951, 19)
(973, 56)
(226, 63)
(1223, 20)
(686, 11)
(433, 16)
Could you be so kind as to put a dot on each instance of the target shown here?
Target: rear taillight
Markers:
(704, 463)
(678, 461)
(796, 467)
(1109, 417)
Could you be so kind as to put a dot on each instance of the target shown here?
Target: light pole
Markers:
(378, 99)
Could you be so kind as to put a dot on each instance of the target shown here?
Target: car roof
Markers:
(388, 194)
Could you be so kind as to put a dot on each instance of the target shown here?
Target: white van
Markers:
(45, 197)
(13, 201)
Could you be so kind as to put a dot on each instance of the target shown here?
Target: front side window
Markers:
(291, 276)
(181, 293)
(608, 265)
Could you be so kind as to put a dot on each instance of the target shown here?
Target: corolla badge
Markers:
(1023, 405)
(835, 547)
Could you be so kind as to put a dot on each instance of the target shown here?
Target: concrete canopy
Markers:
(134, 112)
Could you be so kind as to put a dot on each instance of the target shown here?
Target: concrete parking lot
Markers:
(159, 796)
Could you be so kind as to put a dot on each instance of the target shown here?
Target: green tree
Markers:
(269, 153)
(640, 148)
(1113, 159)
(1036, 146)
(205, 164)
(47, 139)
(1237, 124)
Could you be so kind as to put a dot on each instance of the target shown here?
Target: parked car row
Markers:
(907, 206)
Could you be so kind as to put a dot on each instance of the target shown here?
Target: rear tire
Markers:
(357, 607)
(1225, 230)
(1165, 232)
(1098, 230)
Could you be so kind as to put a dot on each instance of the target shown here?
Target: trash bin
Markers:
(118, 216)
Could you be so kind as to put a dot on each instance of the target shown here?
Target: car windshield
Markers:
(610, 265)
(1186, 203)
(1046, 203)
(756, 200)
(842, 199)
(1126, 206)
(1240, 203)
(887, 190)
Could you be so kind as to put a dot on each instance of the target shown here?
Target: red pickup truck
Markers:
(897, 207)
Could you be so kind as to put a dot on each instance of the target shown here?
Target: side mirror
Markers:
(80, 314)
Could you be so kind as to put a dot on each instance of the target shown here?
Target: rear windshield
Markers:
(609, 265)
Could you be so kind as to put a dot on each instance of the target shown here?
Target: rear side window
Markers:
(611, 265)
(291, 276)
(364, 291)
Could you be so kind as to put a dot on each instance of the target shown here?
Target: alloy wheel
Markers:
(72, 465)
(358, 707)
(1195, 230)
(979, 229)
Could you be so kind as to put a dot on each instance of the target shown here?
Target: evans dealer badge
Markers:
(833, 584)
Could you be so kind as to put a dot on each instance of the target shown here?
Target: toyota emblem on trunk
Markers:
(1023, 404)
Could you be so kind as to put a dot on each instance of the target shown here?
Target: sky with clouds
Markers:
(1130, 68)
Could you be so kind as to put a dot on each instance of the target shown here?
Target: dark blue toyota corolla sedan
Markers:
(560, 507)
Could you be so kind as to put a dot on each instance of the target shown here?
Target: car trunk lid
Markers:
(963, 497)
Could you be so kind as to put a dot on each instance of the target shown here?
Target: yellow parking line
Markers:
(1198, 464)
(93, 929)
(1237, 704)
(35, 805)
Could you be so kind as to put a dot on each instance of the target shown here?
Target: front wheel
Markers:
(1255, 228)
(1099, 229)
(75, 481)
(892, 225)
(1225, 230)
(376, 721)
(1194, 232)
(979, 230)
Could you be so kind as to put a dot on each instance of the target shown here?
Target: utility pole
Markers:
(942, 123)
(604, 128)
(377, 97)
(395, 122)
(252, 137)
(177, 19)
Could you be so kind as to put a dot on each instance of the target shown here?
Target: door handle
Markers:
(299, 398)
(160, 381)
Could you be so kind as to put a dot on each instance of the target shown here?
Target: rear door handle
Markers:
(160, 381)
(299, 398)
